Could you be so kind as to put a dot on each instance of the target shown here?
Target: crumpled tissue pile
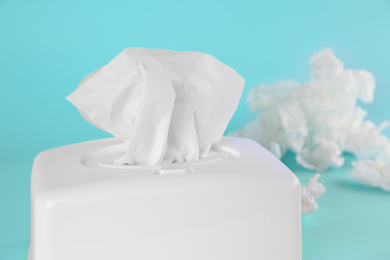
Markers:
(310, 193)
(319, 120)
(372, 173)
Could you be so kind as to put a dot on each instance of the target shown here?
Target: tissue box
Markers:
(238, 203)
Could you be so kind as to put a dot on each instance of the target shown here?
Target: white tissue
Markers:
(318, 119)
(372, 173)
(310, 193)
(166, 105)
(326, 154)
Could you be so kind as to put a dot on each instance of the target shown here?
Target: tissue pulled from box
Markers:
(310, 193)
(374, 173)
(318, 120)
(167, 106)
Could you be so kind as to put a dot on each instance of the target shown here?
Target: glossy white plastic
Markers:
(239, 203)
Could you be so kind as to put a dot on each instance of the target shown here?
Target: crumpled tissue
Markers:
(310, 193)
(167, 106)
(372, 173)
(318, 119)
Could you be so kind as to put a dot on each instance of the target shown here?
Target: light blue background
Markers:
(47, 47)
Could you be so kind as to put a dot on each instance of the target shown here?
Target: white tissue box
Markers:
(238, 203)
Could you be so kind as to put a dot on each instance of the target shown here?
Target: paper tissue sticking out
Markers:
(310, 193)
(165, 105)
(318, 119)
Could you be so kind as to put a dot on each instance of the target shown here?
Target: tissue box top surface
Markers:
(66, 169)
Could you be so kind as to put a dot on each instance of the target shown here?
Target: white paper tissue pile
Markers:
(372, 173)
(310, 193)
(318, 119)
(168, 106)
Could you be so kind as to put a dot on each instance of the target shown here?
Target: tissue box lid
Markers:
(62, 169)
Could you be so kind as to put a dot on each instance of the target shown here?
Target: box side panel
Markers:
(172, 217)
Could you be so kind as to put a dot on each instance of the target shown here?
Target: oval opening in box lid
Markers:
(108, 157)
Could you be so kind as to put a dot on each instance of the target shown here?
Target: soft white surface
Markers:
(165, 104)
(372, 173)
(318, 119)
(310, 193)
